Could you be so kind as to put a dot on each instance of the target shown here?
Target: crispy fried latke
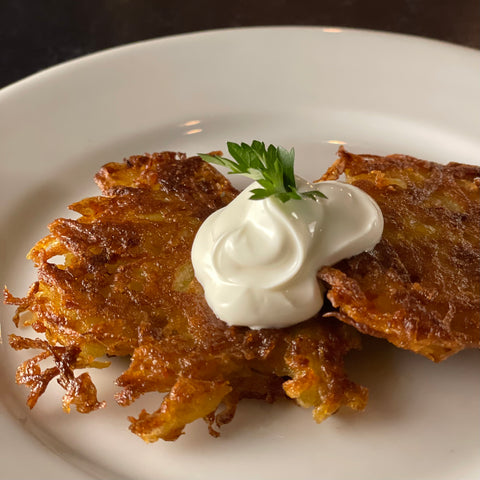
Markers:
(126, 287)
(420, 286)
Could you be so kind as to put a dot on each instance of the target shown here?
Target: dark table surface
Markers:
(35, 34)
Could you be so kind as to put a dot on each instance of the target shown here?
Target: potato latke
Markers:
(126, 288)
(420, 286)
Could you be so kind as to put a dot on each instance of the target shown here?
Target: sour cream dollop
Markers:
(257, 260)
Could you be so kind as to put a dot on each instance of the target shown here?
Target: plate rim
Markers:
(30, 81)
(185, 36)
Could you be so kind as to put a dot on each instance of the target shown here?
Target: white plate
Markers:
(305, 87)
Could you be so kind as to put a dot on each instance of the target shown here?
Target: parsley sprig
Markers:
(271, 167)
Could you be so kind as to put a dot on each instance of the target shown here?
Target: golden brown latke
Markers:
(127, 287)
(420, 286)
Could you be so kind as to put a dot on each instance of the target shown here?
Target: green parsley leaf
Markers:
(271, 167)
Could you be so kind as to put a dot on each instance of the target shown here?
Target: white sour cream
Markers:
(257, 260)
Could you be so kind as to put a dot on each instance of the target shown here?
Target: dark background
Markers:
(35, 34)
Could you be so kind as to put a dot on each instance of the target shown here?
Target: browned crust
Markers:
(420, 286)
(127, 288)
